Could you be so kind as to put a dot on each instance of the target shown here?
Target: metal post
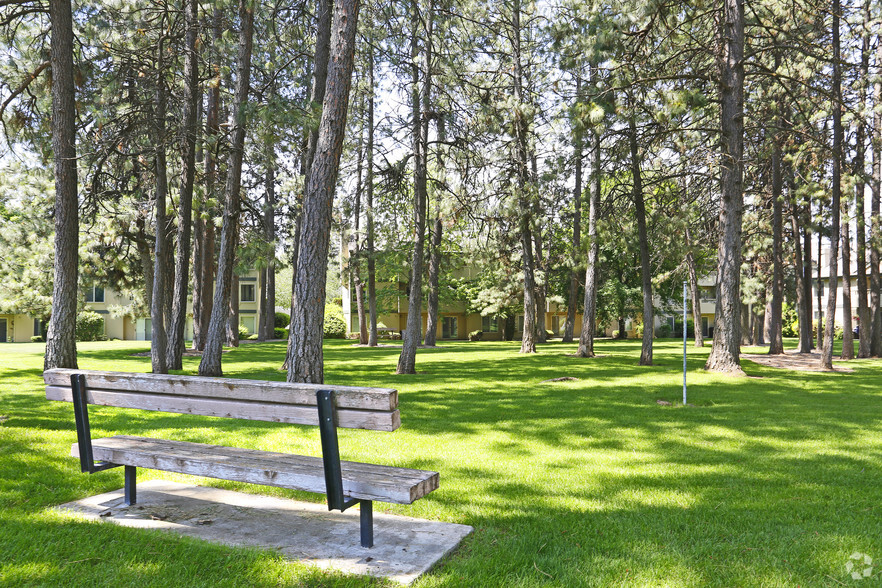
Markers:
(367, 523)
(81, 417)
(684, 340)
(330, 449)
(130, 489)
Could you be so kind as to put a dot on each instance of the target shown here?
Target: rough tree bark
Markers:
(836, 194)
(725, 355)
(420, 135)
(369, 179)
(776, 337)
(645, 267)
(176, 344)
(320, 64)
(578, 148)
(61, 346)
(589, 316)
(434, 274)
(306, 361)
(876, 219)
(268, 309)
(232, 327)
(161, 270)
(522, 172)
(356, 257)
(696, 292)
(204, 234)
(847, 333)
(803, 314)
(864, 349)
(211, 356)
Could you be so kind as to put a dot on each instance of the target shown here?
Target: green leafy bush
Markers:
(335, 324)
(252, 337)
(664, 330)
(280, 333)
(90, 326)
(37, 339)
(283, 320)
(476, 335)
(243, 331)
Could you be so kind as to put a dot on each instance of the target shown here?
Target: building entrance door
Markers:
(3, 330)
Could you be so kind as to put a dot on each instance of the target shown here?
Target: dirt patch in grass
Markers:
(800, 362)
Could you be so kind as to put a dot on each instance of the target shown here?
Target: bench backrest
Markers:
(283, 402)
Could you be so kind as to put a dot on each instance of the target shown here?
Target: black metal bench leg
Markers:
(367, 523)
(131, 492)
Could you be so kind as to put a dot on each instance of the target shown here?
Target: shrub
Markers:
(279, 333)
(664, 330)
(550, 334)
(252, 337)
(638, 329)
(90, 326)
(335, 324)
(243, 331)
(37, 339)
(283, 320)
(615, 334)
(476, 335)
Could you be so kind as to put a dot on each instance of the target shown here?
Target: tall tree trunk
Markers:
(61, 346)
(578, 148)
(541, 285)
(268, 308)
(434, 274)
(725, 355)
(356, 258)
(864, 349)
(803, 313)
(820, 292)
(145, 254)
(320, 64)
(161, 271)
(836, 194)
(232, 328)
(645, 267)
(306, 363)
(205, 236)
(847, 333)
(185, 208)
(211, 356)
(522, 159)
(807, 273)
(696, 292)
(775, 314)
(369, 180)
(261, 304)
(589, 316)
(420, 127)
(435, 255)
(875, 217)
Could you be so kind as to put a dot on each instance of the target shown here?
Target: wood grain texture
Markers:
(362, 398)
(360, 480)
(229, 408)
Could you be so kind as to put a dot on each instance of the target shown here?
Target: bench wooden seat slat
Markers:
(383, 399)
(360, 480)
(242, 409)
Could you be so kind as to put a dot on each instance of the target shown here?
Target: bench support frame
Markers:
(333, 473)
(327, 413)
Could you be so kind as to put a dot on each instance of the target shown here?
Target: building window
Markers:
(521, 323)
(489, 324)
(449, 328)
(38, 328)
(95, 294)
(246, 293)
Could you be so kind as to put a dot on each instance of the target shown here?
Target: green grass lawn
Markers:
(770, 480)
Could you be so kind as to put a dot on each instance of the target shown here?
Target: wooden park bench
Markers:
(345, 483)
